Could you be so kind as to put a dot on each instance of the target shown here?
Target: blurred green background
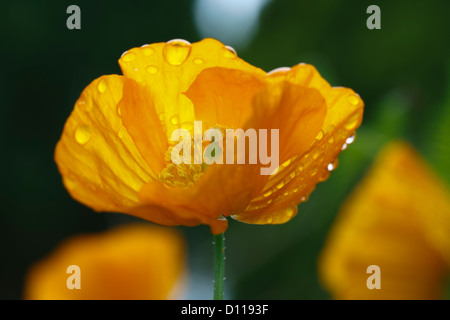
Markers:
(402, 72)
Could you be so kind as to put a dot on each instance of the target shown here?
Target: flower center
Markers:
(180, 175)
(185, 175)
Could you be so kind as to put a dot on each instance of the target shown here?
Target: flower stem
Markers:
(219, 266)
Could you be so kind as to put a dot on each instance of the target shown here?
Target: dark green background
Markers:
(401, 71)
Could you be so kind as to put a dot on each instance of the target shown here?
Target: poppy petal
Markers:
(98, 160)
(224, 96)
(169, 69)
(298, 176)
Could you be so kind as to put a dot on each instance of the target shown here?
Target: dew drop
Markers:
(280, 185)
(128, 56)
(176, 51)
(198, 61)
(313, 172)
(147, 51)
(324, 175)
(332, 165)
(350, 139)
(269, 220)
(83, 134)
(267, 193)
(101, 86)
(353, 100)
(319, 135)
(229, 52)
(292, 175)
(286, 163)
(119, 111)
(280, 69)
(315, 154)
(151, 69)
(344, 146)
(289, 212)
(174, 120)
(331, 140)
(352, 122)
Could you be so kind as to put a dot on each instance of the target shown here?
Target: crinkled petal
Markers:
(224, 96)
(297, 176)
(98, 160)
(169, 69)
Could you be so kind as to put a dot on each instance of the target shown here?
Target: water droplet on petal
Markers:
(352, 122)
(289, 212)
(229, 52)
(147, 51)
(101, 86)
(313, 172)
(280, 69)
(332, 165)
(350, 139)
(151, 69)
(119, 111)
(280, 185)
(83, 134)
(269, 220)
(128, 56)
(286, 163)
(267, 193)
(198, 61)
(176, 51)
(315, 154)
(174, 120)
(324, 175)
(344, 146)
(319, 135)
(354, 100)
(331, 140)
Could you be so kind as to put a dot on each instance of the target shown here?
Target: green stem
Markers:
(219, 266)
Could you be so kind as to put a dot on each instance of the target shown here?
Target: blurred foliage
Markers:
(402, 72)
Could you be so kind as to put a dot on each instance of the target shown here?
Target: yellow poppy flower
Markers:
(113, 153)
(397, 219)
(136, 262)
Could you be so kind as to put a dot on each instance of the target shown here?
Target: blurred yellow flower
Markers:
(137, 262)
(113, 152)
(397, 219)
